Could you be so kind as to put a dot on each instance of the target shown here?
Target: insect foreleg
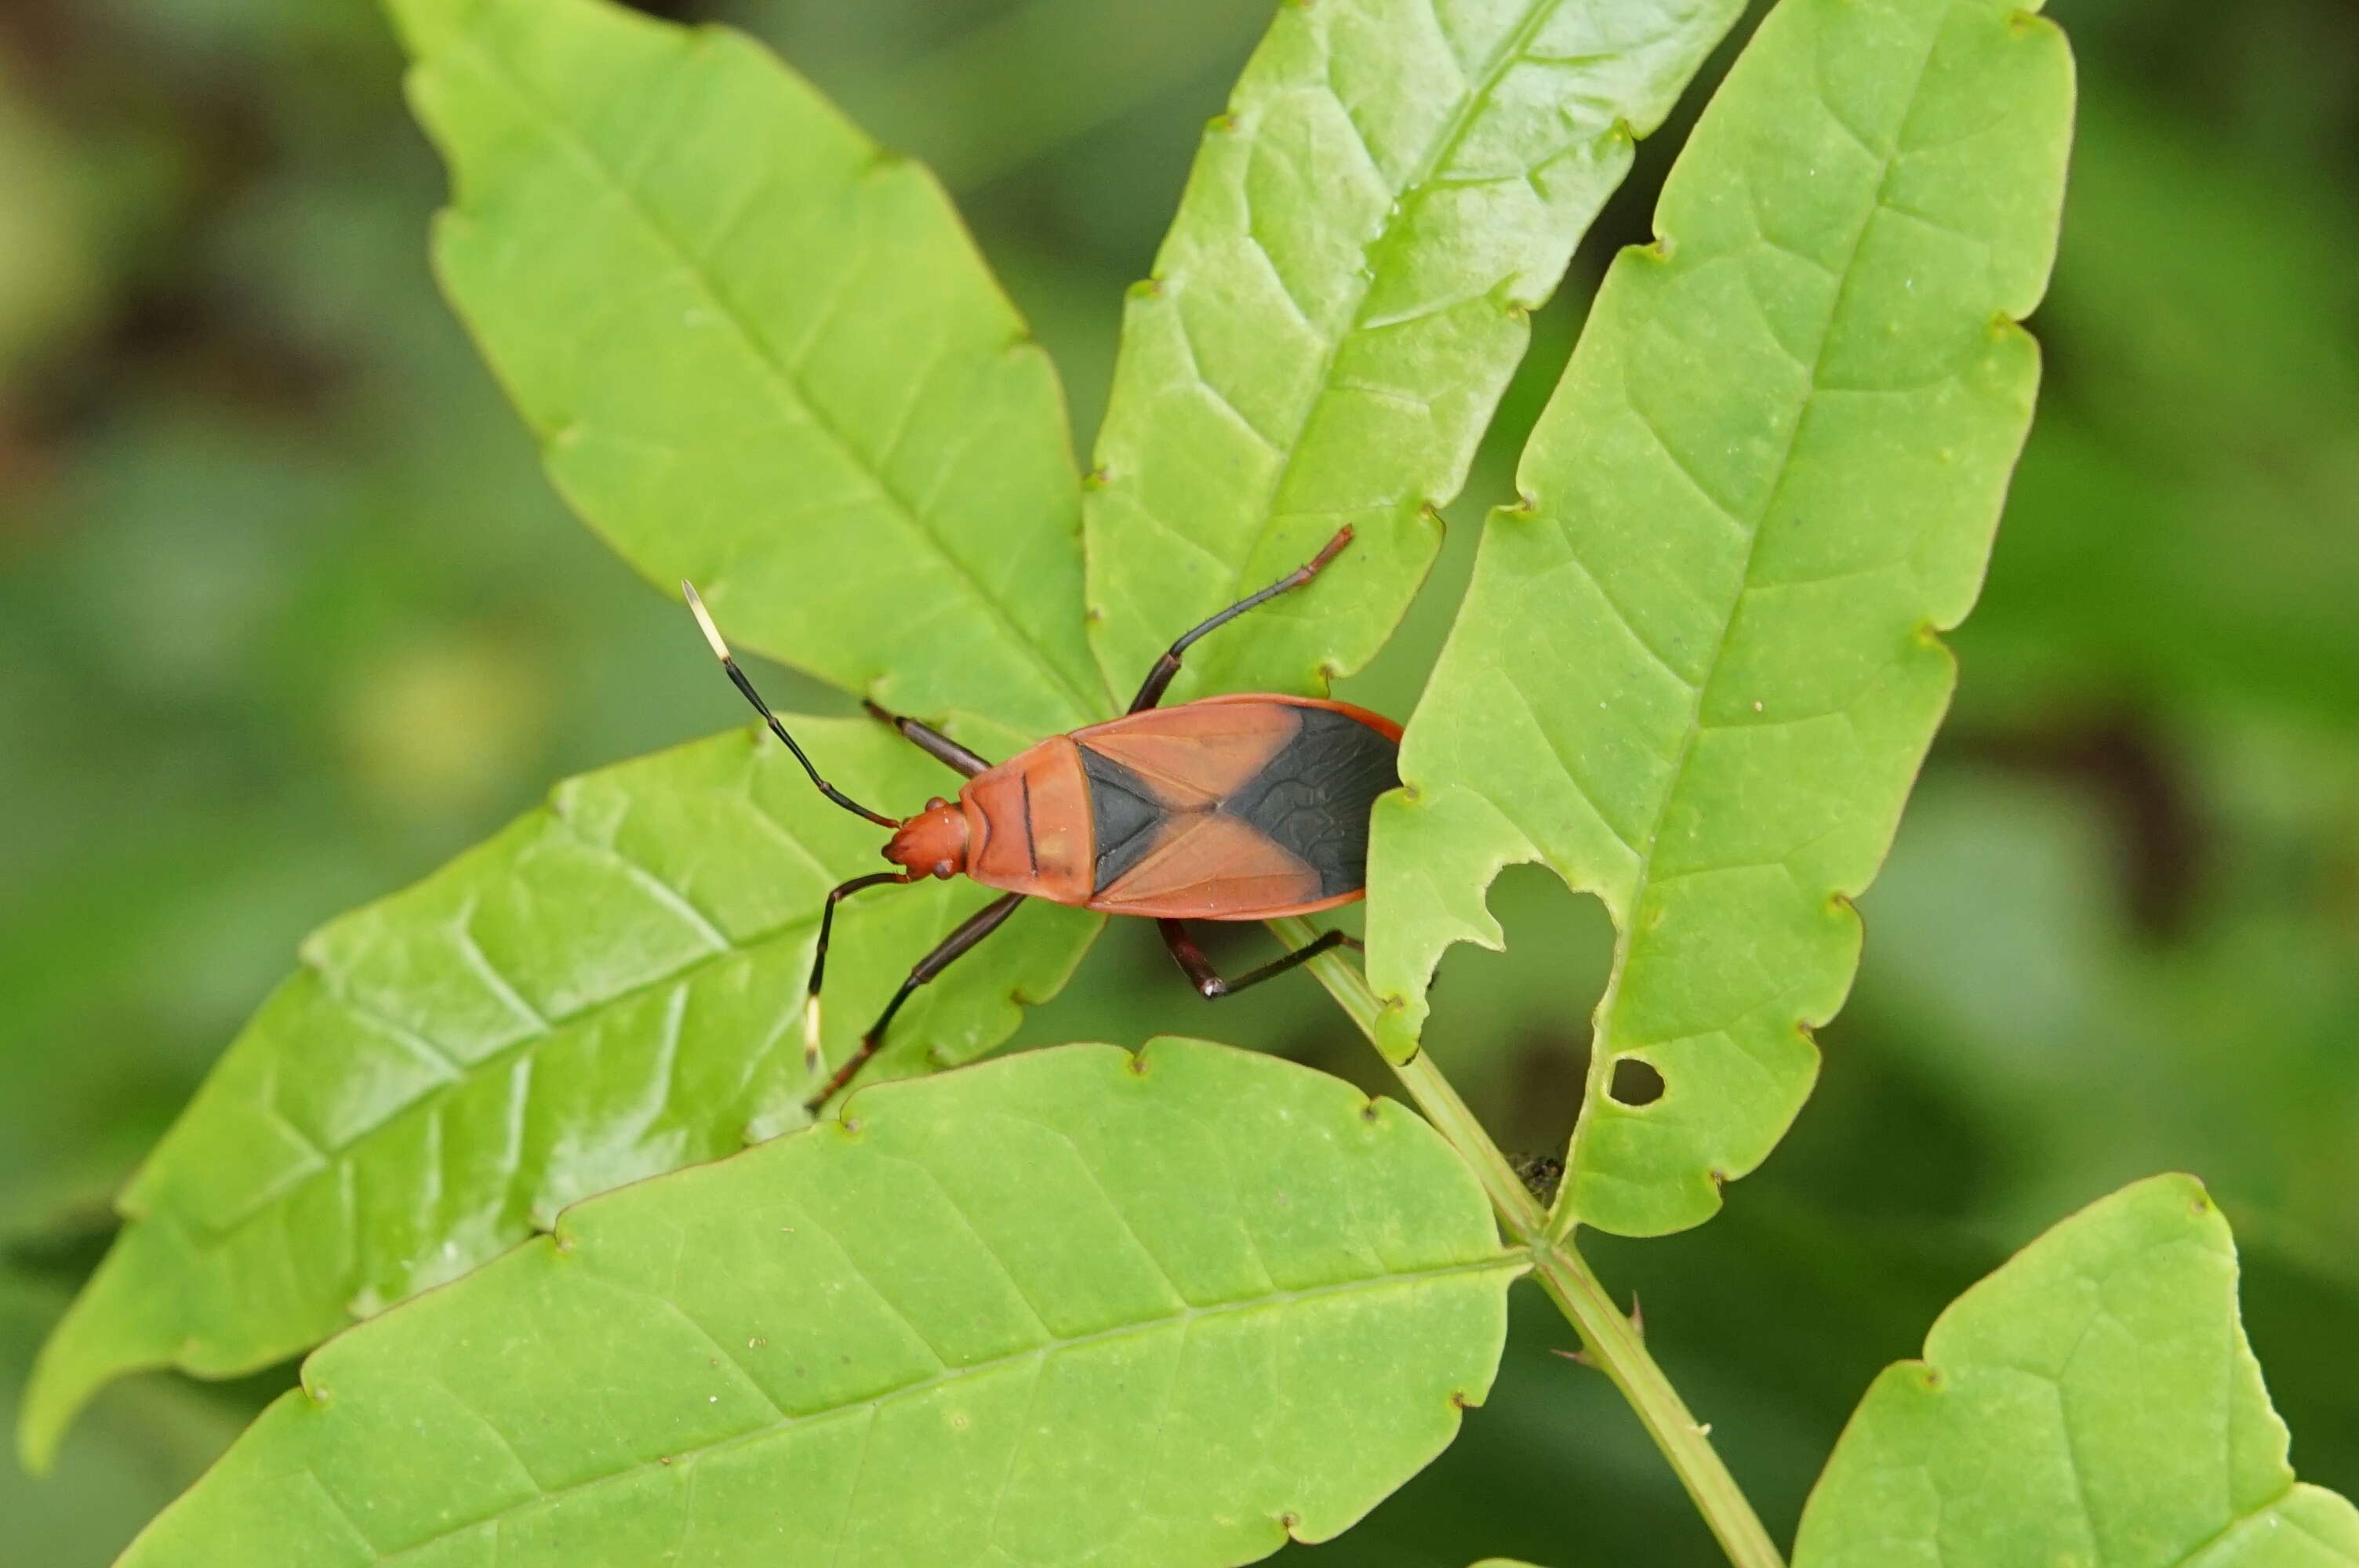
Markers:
(979, 925)
(819, 957)
(1207, 980)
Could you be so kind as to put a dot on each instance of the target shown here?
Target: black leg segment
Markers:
(827, 915)
(819, 955)
(977, 926)
(1207, 980)
(931, 741)
(1159, 677)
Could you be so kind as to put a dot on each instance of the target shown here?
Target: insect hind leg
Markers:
(1208, 980)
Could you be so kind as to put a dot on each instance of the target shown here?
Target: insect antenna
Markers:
(737, 678)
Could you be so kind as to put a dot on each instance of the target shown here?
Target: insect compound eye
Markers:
(936, 803)
(944, 868)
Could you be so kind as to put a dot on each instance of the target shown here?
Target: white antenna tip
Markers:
(704, 622)
(813, 1058)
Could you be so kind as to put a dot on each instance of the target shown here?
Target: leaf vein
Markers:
(1269, 1301)
(1480, 87)
(794, 398)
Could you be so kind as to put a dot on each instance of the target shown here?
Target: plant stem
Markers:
(1610, 1341)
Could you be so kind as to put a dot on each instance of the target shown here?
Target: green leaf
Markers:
(609, 989)
(760, 353)
(145, 1443)
(1341, 302)
(1697, 667)
(1156, 1310)
(2093, 1402)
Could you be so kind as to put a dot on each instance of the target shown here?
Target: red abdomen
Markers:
(1242, 807)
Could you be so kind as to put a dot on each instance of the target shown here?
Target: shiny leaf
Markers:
(1162, 1310)
(1340, 303)
(611, 987)
(1697, 668)
(2093, 1402)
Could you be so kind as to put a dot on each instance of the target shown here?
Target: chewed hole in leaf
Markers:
(1635, 1082)
(1535, 999)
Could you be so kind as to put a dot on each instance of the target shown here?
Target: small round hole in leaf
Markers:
(1636, 1083)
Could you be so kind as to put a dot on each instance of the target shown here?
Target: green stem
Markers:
(1610, 1341)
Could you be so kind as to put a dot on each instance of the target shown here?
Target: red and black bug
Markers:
(1241, 807)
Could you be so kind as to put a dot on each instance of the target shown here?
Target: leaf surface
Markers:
(2093, 1402)
(760, 353)
(610, 988)
(1697, 668)
(1153, 1309)
(1340, 303)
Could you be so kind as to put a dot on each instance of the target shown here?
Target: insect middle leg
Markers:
(977, 926)
(931, 741)
(1159, 678)
(1207, 980)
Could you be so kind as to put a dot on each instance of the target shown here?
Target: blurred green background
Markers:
(288, 615)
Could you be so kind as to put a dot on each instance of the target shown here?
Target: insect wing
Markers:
(1233, 808)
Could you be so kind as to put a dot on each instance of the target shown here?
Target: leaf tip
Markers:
(2188, 1189)
(125, 1320)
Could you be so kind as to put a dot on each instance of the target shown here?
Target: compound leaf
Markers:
(760, 353)
(1697, 667)
(1161, 1310)
(610, 988)
(1340, 303)
(2093, 1402)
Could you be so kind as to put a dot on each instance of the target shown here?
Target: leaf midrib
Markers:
(1626, 939)
(1384, 249)
(782, 379)
(1505, 1263)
